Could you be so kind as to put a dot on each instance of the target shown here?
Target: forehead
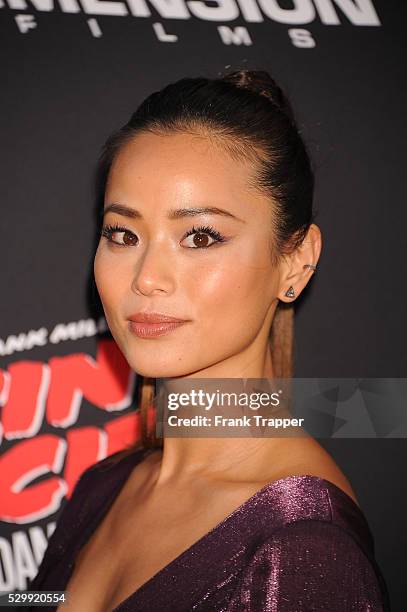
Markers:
(174, 152)
(182, 169)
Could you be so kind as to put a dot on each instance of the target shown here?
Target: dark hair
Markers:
(247, 114)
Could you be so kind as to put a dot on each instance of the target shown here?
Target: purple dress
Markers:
(298, 544)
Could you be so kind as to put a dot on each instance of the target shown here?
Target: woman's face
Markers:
(223, 284)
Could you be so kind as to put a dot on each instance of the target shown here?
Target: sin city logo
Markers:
(48, 450)
(357, 12)
(37, 397)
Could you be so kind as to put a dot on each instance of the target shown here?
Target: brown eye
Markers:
(203, 237)
(129, 239)
(120, 236)
(200, 239)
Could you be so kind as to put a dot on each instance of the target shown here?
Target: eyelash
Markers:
(109, 230)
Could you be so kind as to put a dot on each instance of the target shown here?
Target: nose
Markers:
(154, 272)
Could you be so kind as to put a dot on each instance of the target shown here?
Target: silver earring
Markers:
(310, 266)
(290, 292)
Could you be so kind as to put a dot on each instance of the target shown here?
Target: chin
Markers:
(154, 370)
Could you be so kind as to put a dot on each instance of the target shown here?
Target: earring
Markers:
(310, 266)
(290, 292)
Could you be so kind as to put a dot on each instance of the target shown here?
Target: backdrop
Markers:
(73, 71)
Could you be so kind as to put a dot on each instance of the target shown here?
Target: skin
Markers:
(228, 292)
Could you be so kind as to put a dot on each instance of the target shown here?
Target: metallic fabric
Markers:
(299, 544)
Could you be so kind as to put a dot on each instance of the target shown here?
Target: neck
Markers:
(242, 458)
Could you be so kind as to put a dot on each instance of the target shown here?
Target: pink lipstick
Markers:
(153, 324)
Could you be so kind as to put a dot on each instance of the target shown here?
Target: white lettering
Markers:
(23, 342)
(139, 8)
(104, 7)
(162, 35)
(17, 5)
(73, 331)
(25, 23)
(39, 542)
(359, 12)
(226, 10)
(250, 11)
(168, 9)
(25, 566)
(7, 575)
(94, 28)
(19, 560)
(301, 38)
(235, 36)
(67, 6)
(303, 11)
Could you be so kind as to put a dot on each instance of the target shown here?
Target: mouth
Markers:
(151, 325)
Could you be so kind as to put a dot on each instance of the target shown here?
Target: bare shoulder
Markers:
(308, 457)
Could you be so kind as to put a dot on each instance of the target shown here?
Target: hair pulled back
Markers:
(247, 114)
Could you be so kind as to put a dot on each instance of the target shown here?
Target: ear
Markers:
(292, 272)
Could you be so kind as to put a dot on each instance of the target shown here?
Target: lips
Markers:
(154, 317)
(152, 324)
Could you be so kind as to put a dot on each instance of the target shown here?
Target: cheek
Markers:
(110, 279)
(237, 289)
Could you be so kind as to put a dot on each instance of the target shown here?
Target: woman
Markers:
(207, 240)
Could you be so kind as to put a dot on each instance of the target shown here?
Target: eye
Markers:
(201, 236)
(127, 237)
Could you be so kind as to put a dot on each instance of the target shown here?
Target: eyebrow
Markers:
(133, 213)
